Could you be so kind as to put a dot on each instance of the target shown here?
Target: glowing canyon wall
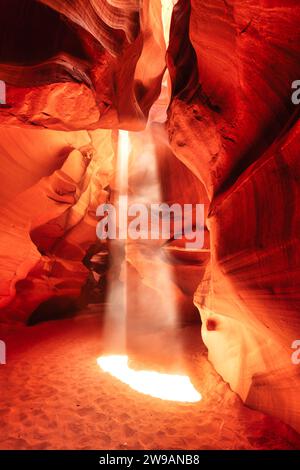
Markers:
(78, 71)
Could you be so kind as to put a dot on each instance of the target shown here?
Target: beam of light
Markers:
(164, 386)
(148, 256)
(114, 331)
(124, 148)
(137, 151)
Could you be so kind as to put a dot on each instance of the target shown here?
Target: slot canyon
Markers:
(149, 342)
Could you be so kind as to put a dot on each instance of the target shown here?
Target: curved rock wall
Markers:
(239, 133)
(49, 223)
(81, 64)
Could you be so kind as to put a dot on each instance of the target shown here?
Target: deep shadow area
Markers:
(31, 32)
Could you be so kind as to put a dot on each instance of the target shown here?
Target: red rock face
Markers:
(233, 128)
(239, 134)
(49, 223)
(242, 99)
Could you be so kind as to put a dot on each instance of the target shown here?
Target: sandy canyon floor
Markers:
(55, 396)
